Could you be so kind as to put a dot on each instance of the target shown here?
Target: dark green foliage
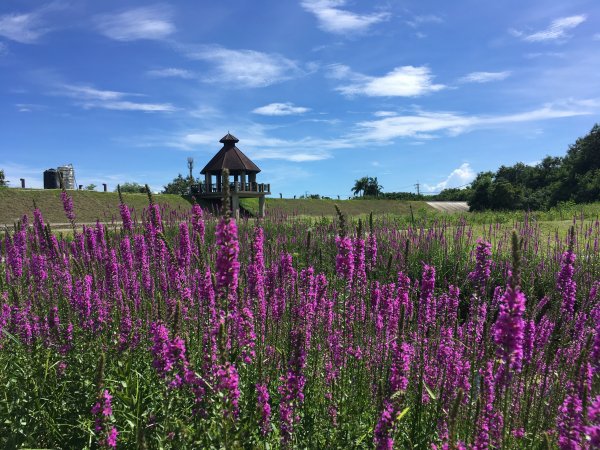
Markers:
(572, 178)
(368, 186)
(179, 186)
(3, 182)
(132, 188)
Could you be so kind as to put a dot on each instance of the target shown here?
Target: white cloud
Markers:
(425, 125)
(457, 178)
(556, 30)
(170, 72)
(245, 68)
(14, 171)
(534, 55)
(405, 81)
(384, 113)
(280, 109)
(131, 106)
(149, 22)
(259, 146)
(90, 93)
(90, 97)
(29, 107)
(340, 21)
(484, 77)
(417, 21)
(24, 28)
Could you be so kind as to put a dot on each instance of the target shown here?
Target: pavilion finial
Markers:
(229, 138)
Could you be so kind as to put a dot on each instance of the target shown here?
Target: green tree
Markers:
(132, 188)
(179, 186)
(91, 187)
(3, 182)
(373, 189)
(368, 186)
(504, 195)
(481, 187)
(360, 186)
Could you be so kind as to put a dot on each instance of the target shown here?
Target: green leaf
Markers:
(402, 414)
(429, 391)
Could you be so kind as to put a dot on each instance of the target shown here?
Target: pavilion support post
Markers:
(261, 206)
(207, 181)
(243, 180)
(235, 206)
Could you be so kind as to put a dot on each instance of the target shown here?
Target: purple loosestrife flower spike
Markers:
(384, 428)
(509, 329)
(198, 225)
(67, 202)
(264, 408)
(228, 383)
(569, 422)
(185, 246)
(592, 430)
(228, 249)
(483, 263)
(126, 217)
(344, 261)
(566, 285)
(102, 411)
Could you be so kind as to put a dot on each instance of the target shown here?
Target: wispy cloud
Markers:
(29, 107)
(427, 125)
(484, 77)
(258, 142)
(244, 68)
(131, 106)
(90, 97)
(148, 22)
(333, 19)
(457, 178)
(280, 109)
(405, 81)
(535, 55)
(3, 48)
(14, 171)
(417, 21)
(28, 28)
(171, 72)
(384, 113)
(557, 30)
(259, 146)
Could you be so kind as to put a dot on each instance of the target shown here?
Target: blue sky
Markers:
(319, 92)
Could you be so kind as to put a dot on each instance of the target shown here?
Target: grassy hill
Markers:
(89, 205)
(313, 207)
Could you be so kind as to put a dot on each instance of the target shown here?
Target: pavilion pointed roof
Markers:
(230, 157)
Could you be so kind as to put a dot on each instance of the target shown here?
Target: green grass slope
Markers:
(313, 207)
(89, 206)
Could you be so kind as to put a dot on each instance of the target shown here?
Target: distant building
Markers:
(62, 176)
(242, 172)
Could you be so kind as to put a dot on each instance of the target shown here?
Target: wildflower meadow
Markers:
(194, 330)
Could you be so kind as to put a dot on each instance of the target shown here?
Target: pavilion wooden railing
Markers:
(236, 186)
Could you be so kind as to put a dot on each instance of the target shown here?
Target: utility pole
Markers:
(417, 186)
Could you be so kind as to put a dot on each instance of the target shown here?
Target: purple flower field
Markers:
(194, 331)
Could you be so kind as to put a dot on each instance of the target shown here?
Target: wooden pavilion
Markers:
(242, 173)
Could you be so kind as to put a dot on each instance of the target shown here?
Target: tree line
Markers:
(574, 177)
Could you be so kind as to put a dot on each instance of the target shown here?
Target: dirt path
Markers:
(451, 207)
